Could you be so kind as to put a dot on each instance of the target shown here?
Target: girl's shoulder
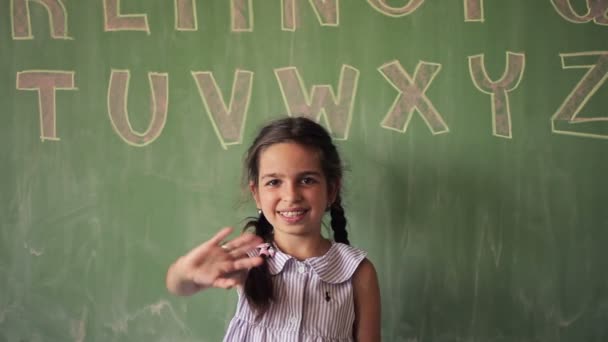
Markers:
(344, 253)
(338, 264)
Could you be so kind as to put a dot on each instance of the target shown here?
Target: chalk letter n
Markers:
(46, 82)
(564, 120)
(412, 97)
(228, 121)
(337, 110)
(498, 90)
(327, 11)
(22, 26)
(117, 107)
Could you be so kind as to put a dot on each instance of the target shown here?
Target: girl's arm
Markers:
(211, 265)
(367, 303)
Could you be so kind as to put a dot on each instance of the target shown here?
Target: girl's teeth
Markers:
(291, 213)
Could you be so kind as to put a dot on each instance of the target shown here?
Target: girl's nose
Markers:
(291, 193)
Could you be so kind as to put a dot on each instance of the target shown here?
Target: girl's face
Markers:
(292, 190)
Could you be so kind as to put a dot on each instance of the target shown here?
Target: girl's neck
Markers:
(302, 247)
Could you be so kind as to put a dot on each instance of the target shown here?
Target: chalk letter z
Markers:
(580, 95)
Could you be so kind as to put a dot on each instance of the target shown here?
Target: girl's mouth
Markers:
(292, 216)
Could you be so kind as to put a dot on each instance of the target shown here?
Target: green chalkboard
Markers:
(475, 132)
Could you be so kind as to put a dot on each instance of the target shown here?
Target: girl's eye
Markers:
(272, 182)
(308, 180)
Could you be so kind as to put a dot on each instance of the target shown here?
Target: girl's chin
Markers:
(297, 228)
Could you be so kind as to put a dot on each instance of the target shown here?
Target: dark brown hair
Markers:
(300, 130)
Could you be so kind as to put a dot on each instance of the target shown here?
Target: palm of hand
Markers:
(212, 265)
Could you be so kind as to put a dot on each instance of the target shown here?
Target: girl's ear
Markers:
(254, 193)
(332, 191)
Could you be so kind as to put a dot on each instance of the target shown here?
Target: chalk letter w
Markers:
(337, 111)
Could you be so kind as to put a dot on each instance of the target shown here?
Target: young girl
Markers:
(293, 284)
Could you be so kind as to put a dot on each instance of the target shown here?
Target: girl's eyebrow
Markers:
(301, 174)
(310, 173)
(270, 175)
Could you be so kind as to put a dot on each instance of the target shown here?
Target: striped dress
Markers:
(313, 300)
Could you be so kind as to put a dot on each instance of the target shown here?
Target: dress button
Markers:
(293, 320)
(301, 268)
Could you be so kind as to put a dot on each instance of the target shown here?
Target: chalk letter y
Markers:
(498, 90)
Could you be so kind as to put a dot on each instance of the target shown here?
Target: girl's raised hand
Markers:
(214, 265)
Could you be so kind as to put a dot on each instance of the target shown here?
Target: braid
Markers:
(258, 284)
(338, 221)
(263, 228)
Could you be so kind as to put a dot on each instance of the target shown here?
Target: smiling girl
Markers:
(293, 284)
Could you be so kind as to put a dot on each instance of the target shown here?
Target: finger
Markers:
(226, 269)
(247, 263)
(198, 252)
(244, 244)
(220, 236)
(225, 283)
(238, 242)
(244, 238)
(206, 277)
